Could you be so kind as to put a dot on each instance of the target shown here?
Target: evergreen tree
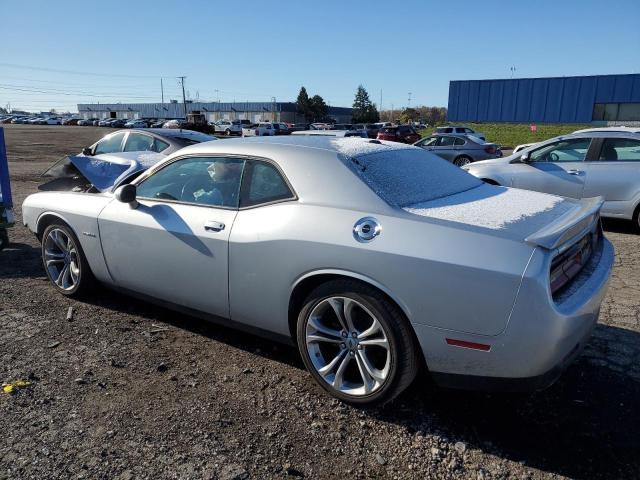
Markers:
(318, 107)
(304, 104)
(364, 111)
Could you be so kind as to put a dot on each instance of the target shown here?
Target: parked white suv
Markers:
(230, 127)
(262, 129)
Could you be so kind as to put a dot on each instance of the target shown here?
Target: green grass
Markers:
(511, 134)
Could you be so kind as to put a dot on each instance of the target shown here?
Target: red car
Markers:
(400, 133)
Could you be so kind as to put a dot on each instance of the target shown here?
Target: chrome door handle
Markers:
(212, 226)
(575, 172)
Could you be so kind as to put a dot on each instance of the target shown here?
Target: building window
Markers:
(616, 112)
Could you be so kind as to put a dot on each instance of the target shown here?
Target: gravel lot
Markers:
(129, 390)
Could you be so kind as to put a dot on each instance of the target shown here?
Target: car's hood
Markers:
(518, 214)
(107, 170)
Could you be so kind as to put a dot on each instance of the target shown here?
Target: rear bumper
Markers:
(541, 339)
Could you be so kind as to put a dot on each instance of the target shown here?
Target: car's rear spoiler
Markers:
(568, 226)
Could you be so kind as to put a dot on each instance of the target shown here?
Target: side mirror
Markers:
(126, 194)
(87, 151)
(524, 158)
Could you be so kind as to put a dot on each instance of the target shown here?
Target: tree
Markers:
(318, 108)
(304, 104)
(409, 115)
(364, 111)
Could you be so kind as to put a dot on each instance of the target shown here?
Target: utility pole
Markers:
(184, 98)
(273, 99)
(380, 107)
(409, 101)
(162, 91)
(391, 113)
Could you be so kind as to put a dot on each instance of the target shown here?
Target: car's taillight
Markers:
(490, 149)
(566, 265)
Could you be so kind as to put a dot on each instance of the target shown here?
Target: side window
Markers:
(263, 183)
(212, 181)
(459, 142)
(430, 142)
(159, 145)
(136, 142)
(572, 150)
(446, 141)
(110, 144)
(623, 149)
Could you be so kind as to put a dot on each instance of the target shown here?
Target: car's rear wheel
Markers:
(64, 261)
(227, 132)
(356, 343)
(462, 160)
(636, 218)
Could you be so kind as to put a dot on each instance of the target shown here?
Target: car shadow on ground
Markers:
(586, 423)
(19, 260)
(620, 226)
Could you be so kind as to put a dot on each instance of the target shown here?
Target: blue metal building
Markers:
(598, 98)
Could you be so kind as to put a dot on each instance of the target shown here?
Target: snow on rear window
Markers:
(408, 176)
(497, 208)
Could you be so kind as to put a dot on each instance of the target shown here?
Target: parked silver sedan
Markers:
(593, 162)
(460, 149)
(374, 258)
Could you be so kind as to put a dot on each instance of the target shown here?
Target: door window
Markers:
(623, 149)
(136, 142)
(211, 181)
(573, 150)
(459, 141)
(263, 184)
(110, 144)
(446, 141)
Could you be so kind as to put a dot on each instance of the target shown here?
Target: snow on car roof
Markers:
(496, 208)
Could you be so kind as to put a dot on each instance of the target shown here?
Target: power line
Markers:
(52, 91)
(75, 72)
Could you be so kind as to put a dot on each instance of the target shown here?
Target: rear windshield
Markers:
(406, 177)
(195, 137)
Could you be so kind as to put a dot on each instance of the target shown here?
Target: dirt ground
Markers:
(130, 390)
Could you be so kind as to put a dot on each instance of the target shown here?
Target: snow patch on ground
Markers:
(496, 208)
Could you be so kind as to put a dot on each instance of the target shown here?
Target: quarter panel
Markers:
(445, 275)
(80, 211)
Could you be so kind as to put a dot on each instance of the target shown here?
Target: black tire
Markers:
(636, 219)
(462, 160)
(4, 238)
(404, 357)
(85, 279)
(227, 132)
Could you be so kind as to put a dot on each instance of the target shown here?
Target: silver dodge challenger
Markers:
(376, 259)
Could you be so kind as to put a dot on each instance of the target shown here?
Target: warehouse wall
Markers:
(546, 100)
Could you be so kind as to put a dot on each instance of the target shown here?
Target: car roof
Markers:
(622, 129)
(349, 146)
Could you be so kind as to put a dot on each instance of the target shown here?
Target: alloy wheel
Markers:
(348, 346)
(61, 259)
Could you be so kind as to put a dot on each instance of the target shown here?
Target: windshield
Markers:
(409, 176)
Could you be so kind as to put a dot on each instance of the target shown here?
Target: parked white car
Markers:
(53, 121)
(230, 127)
(262, 129)
(136, 124)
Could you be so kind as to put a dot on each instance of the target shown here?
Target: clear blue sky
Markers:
(249, 50)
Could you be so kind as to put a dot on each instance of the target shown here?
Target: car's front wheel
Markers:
(227, 132)
(64, 261)
(356, 343)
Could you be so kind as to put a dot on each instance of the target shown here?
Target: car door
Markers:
(614, 173)
(557, 168)
(445, 147)
(173, 245)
